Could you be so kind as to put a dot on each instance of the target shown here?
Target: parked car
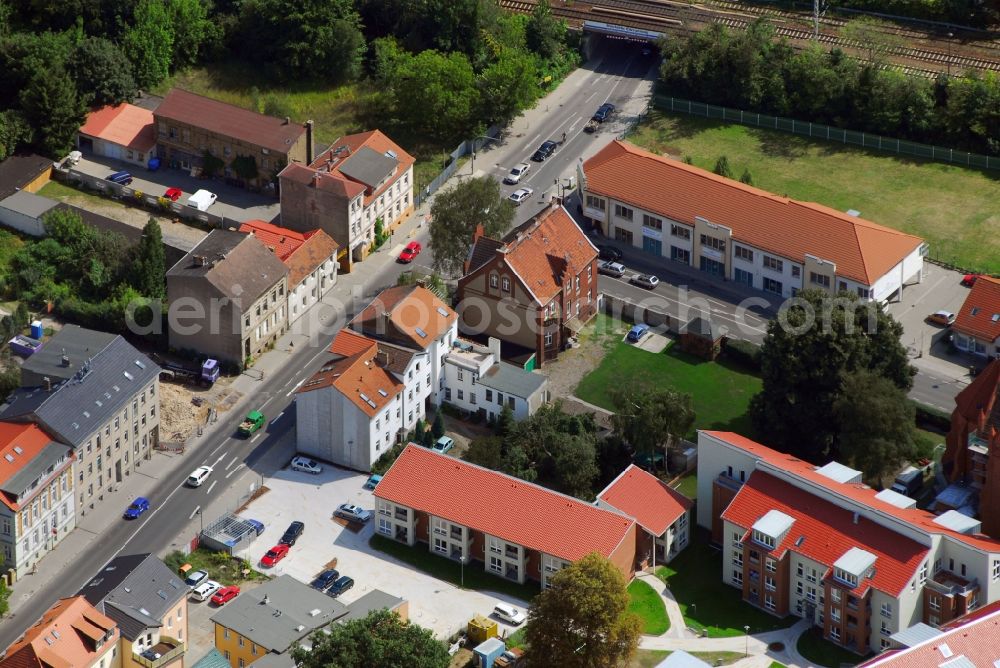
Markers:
(121, 178)
(945, 318)
(352, 513)
(226, 594)
(591, 126)
(603, 112)
(509, 614)
(306, 465)
(373, 480)
(205, 590)
(325, 580)
(274, 555)
(608, 253)
(544, 151)
(195, 578)
(647, 281)
(173, 194)
(611, 268)
(409, 253)
(292, 533)
(202, 199)
(443, 444)
(520, 195)
(969, 280)
(342, 584)
(636, 334)
(517, 172)
(257, 525)
(151, 655)
(138, 507)
(199, 476)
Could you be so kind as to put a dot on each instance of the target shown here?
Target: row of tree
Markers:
(973, 13)
(754, 71)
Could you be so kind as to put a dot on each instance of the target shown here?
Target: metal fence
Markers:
(465, 148)
(864, 139)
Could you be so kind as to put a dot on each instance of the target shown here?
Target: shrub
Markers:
(743, 352)
(386, 461)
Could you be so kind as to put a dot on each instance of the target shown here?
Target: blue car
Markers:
(636, 333)
(138, 507)
(257, 525)
(373, 480)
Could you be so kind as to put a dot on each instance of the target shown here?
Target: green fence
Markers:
(867, 140)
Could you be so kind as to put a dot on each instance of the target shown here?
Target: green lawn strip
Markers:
(953, 208)
(650, 658)
(775, 664)
(516, 639)
(451, 571)
(647, 604)
(707, 603)
(60, 191)
(820, 652)
(688, 486)
(220, 566)
(721, 392)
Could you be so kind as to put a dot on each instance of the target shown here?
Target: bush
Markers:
(386, 461)
(743, 353)
(932, 419)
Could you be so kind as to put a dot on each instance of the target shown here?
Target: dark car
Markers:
(544, 151)
(603, 112)
(609, 253)
(292, 533)
(121, 178)
(257, 525)
(325, 579)
(342, 584)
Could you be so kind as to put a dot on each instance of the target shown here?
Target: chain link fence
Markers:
(465, 148)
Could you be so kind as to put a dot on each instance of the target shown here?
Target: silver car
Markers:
(647, 281)
(517, 173)
(306, 465)
(353, 513)
(611, 268)
(520, 195)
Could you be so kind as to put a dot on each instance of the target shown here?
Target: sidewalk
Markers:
(756, 646)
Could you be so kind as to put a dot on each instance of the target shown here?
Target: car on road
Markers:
(173, 194)
(509, 614)
(608, 253)
(520, 195)
(199, 476)
(516, 173)
(591, 127)
(544, 151)
(410, 253)
(443, 444)
(611, 268)
(969, 280)
(195, 578)
(342, 584)
(647, 281)
(352, 513)
(945, 318)
(226, 594)
(603, 112)
(274, 555)
(636, 334)
(205, 590)
(292, 533)
(325, 579)
(138, 507)
(373, 480)
(306, 465)
(253, 422)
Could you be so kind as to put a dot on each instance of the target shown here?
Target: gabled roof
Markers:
(76, 344)
(279, 240)
(977, 640)
(532, 516)
(980, 313)
(331, 183)
(862, 250)
(409, 315)
(125, 125)
(19, 170)
(980, 399)
(348, 343)
(229, 120)
(64, 637)
(358, 376)
(301, 252)
(510, 379)
(239, 266)
(363, 159)
(646, 498)
(26, 453)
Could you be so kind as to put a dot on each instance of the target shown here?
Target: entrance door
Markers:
(654, 246)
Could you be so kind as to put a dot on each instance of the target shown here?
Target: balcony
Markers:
(167, 650)
(725, 480)
(949, 584)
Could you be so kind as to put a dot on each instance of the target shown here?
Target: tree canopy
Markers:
(455, 214)
(53, 108)
(102, 72)
(650, 417)
(149, 42)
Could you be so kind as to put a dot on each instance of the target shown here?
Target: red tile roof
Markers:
(125, 125)
(829, 531)
(859, 494)
(984, 298)
(282, 241)
(57, 639)
(349, 343)
(646, 498)
(30, 440)
(978, 640)
(301, 252)
(979, 398)
(377, 141)
(500, 505)
(336, 184)
(229, 120)
(409, 308)
(862, 250)
(366, 384)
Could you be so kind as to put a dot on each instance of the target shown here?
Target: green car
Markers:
(254, 421)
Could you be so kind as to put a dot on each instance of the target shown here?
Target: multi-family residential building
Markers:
(972, 641)
(533, 289)
(70, 633)
(477, 380)
(361, 181)
(149, 605)
(663, 514)
(739, 233)
(107, 410)
(510, 528)
(311, 258)
(228, 297)
(814, 541)
(189, 126)
(977, 324)
(37, 506)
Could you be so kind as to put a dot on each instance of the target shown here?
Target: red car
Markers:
(274, 555)
(969, 280)
(411, 251)
(173, 194)
(225, 595)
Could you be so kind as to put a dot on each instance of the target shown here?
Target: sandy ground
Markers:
(180, 417)
(572, 365)
(136, 217)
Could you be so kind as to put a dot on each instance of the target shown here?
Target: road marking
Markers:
(241, 466)
(299, 384)
(256, 436)
(230, 464)
(194, 512)
(210, 487)
(277, 417)
(221, 457)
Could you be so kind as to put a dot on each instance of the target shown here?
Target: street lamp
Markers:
(201, 522)
(488, 138)
(746, 650)
(461, 560)
(950, 35)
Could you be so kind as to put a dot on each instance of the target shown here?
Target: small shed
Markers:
(23, 212)
(487, 652)
(229, 533)
(701, 338)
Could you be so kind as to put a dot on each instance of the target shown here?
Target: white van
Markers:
(202, 199)
(509, 614)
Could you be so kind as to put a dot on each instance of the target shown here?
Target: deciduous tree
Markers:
(435, 95)
(648, 418)
(15, 131)
(545, 33)
(149, 42)
(102, 72)
(192, 29)
(455, 214)
(506, 86)
(53, 107)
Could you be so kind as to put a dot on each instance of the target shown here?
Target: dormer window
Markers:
(845, 577)
(764, 539)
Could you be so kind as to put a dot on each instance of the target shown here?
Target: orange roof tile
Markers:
(281, 241)
(977, 640)
(377, 141)
(301, 252)
(646, 498)
(333, 183)
(21, 442)
(359, 378)
(862, 250)
(55, 640)
(349, 343)
(411, 309)
(500, 505)
(125, 125)
(984, 299)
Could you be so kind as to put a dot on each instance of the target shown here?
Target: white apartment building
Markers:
(476, 379)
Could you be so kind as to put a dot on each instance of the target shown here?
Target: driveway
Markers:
(434, 604)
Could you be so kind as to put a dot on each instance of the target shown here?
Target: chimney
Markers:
(382, 358)
(199, 260)
(315, 179)
(494, 344)
(65, 358)
(479, 233)
(309, 142)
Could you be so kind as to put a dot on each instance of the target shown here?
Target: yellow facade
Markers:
(238, 650)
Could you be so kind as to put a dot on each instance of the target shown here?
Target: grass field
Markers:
(688, 486)
(956, 210)
(721, 392)
(650, 658)
(647, 604)
(820, 652)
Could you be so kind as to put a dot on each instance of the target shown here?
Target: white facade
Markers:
(312, 288)
(437, 350)
(390, 206)
(418, 386)
(462, 368)
(47, 516)
(466, 388)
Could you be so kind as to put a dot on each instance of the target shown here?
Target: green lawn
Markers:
(220, 566)
(688, 486)
(720, 391)
(649, 658)
(775, 664)
(516, 639)
(820, 652)
(695, 580)
(647, 604)
(956, 210)
(451, 571)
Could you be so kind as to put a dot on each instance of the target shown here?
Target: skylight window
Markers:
(140, 364)
(383, 393)
(420, 332)
(128, 375)
(18, 450)
(442, 311)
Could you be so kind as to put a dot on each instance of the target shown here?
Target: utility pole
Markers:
(819, 8)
